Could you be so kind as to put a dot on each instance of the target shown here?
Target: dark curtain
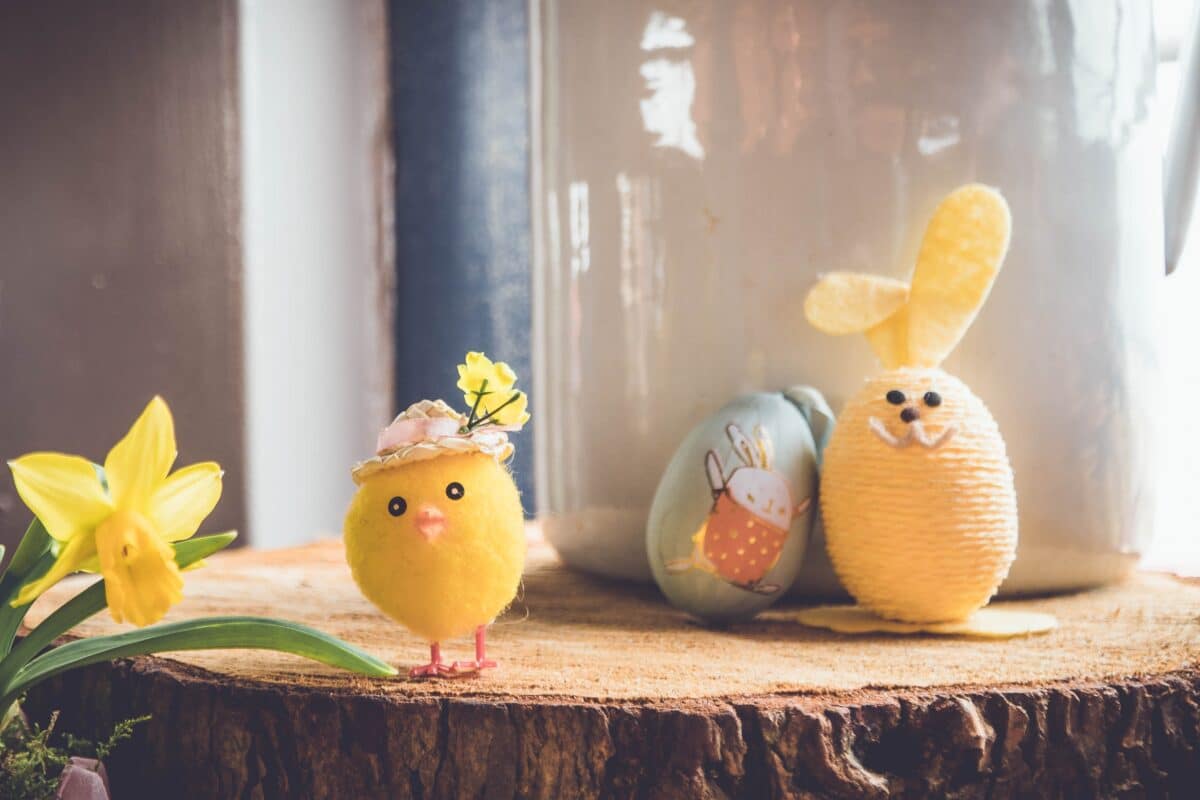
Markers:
(460, 99)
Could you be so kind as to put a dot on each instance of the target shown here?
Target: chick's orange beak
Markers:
(430, 522)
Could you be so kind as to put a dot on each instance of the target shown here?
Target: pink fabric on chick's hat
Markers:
(430, 429)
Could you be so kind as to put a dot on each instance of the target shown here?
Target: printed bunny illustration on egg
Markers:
(743, 537)
(730, 522)
(917, 493)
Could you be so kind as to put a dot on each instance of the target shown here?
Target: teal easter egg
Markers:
(731, 517)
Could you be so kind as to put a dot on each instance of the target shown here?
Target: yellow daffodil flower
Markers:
(488, 390)
(124, 532)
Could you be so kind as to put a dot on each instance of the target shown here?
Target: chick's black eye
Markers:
(895, 397)
(455, 491)
(933, 399)
(397, 506)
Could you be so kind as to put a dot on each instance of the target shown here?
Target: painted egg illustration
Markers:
(730, 521)
(743, 536)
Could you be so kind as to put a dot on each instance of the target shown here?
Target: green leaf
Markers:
(92, 600)
(30, 562)
(12, 616)
(34, 544)
(198, 634)
(190, 551)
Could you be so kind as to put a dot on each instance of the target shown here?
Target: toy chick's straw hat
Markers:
(429, 429)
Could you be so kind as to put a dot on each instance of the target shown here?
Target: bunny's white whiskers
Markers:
(879, 429)
(916, 433)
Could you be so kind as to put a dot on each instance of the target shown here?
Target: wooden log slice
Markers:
(605, 691)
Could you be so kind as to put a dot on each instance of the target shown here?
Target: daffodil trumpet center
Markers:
(141, 578)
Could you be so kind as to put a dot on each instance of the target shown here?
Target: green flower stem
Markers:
(478, 399)
(198, 634)
(91, 601)
(498, 409)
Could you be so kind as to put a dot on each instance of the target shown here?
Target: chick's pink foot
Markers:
(431, 670)
(481, 661)
(435, 668)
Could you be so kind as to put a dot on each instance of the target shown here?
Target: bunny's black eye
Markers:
(397, 506)
(895, 397)
(933, 399)
(455, 491)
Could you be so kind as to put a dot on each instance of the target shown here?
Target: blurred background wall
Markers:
(317, 256)
(120, 253)
(291, 217)
(198, 201)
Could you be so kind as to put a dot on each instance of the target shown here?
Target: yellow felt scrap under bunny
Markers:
(917, 492)
(986, 623)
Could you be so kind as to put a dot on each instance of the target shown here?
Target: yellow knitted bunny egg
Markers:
(916, 489)
(918, 500)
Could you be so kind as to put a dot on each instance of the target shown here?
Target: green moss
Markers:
(32, 757)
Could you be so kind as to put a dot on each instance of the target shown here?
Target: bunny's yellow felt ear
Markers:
(889, 340)
(846, 302)
(961, 254)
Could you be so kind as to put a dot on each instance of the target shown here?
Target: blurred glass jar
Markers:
(698, 163)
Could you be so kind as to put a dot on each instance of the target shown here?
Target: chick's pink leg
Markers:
(434, 668)
(481, 660)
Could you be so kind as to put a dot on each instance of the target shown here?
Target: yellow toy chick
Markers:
(435, 534)
(917, 493)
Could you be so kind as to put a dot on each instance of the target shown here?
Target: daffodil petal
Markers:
(184, 499)
(74, 554)
(63, 491)
(139, 463)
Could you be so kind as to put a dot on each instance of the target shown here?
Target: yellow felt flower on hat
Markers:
(513, 413)
(488, 391)
(479, 379)
(123, 530)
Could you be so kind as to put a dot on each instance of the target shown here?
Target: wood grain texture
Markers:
(1135, 737)
(604, 691)
(120, 263)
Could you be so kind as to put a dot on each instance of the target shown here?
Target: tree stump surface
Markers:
(606, 691)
